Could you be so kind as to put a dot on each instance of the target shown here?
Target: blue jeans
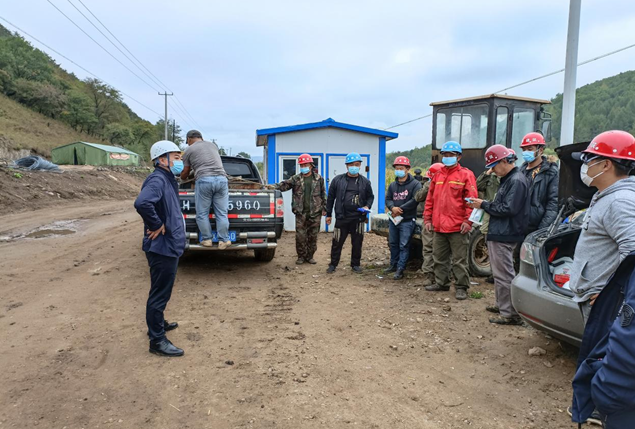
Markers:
(399, 241)
(212, 190)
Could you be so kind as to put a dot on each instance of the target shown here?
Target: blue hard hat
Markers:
(451, 147)
(353, 157)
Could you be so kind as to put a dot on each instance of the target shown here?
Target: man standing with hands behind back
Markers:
(164, 240)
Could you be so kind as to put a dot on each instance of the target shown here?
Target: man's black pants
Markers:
(162, 275)
(344, 227)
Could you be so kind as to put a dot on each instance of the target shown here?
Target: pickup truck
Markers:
(256, 214)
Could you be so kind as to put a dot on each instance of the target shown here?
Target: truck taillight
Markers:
(279, 207)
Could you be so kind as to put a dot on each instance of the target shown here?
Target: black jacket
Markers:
(509, 212)
(606, 363)
(337, 192)
(402, 194)
(158, 204)
(543, 195)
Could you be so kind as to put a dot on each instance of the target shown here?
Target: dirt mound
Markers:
(22, 190)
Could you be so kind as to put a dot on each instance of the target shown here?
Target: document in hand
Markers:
(396, 219)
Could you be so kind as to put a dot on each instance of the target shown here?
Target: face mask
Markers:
(529, 156)
(449, 161)
(305, 170)
(177, 167)
(586, 179)
(353, 171)
(400, 173)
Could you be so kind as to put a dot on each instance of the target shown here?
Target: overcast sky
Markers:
(244, 65)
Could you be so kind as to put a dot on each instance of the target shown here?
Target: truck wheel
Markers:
(264, 255)
(478, 257)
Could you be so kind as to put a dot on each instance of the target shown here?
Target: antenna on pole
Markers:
(165, 120)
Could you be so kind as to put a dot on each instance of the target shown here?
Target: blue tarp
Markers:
(36, 163)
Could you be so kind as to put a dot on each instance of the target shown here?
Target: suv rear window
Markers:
(242, 169)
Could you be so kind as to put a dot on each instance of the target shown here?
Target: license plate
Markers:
(232, 236)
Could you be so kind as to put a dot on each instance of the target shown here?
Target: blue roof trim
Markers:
(325, 124)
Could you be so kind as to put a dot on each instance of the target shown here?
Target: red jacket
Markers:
(446, 207)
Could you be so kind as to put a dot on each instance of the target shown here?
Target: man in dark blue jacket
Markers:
(401, 202)
(163, 241)
(348, 193)
(605, 379)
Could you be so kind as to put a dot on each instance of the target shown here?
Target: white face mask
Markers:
(586, 179)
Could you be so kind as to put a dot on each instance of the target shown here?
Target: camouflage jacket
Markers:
(318, 193)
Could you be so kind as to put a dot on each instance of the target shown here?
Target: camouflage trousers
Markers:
(306, 233)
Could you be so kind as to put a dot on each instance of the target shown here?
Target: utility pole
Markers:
(570, 74)
(165, 120)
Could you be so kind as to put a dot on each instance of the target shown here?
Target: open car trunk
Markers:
(556, 258)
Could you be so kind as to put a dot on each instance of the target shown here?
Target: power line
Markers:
(111, 42)
(73, 62)
(155, 80)
(124, 46)
(98, 44)
(407, 122)
(531, 80)
(561, 70)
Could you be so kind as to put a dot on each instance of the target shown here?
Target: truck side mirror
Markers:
(546, 129)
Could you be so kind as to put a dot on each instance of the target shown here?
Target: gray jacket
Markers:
(608, 235)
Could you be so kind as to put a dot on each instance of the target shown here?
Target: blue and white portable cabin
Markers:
(328, 142)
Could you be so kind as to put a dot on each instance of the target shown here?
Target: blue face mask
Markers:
(353, 171)
(305, 170)
(177, 167)
(529, 156)
(400, 173)
(449, 161)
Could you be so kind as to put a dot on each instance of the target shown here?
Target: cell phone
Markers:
(469, 200)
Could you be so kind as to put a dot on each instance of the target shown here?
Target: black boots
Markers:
(165, 348)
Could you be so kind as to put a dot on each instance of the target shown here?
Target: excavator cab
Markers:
(480, 122)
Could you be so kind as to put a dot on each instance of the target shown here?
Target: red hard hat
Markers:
(434, 168)
(305, 158)
(533, 139)
(401, 160)
(496, 153)
(613, 144)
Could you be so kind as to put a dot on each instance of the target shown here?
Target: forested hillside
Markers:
(89, 107)
(608, 104)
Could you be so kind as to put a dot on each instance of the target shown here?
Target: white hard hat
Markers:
(161, 148)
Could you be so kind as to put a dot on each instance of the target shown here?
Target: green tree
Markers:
(79, 112)
(119, 134)
(22, 61)
(40, 96)
(174, 131)
(244, 155)
(107, 104)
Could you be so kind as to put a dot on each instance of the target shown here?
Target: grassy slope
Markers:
(23, 128)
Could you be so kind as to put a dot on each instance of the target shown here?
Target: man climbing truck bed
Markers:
(256, 214)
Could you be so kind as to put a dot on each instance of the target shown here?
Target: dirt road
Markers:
(267, 345)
